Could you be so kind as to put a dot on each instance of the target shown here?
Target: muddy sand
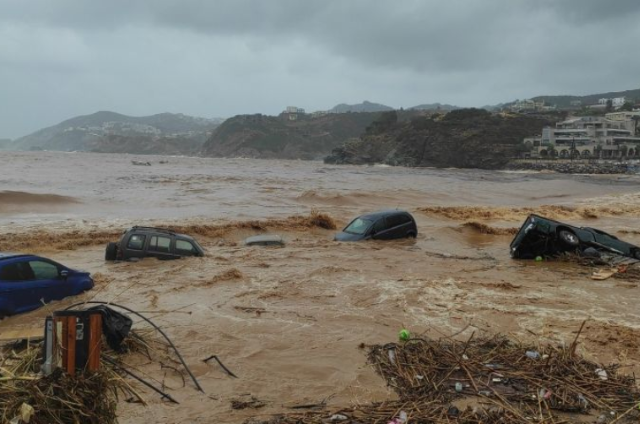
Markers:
(289, 321)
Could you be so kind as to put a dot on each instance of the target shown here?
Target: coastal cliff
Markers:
(464, 138)
(281, 137)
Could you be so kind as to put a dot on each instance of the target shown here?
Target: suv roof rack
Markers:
(160, 230)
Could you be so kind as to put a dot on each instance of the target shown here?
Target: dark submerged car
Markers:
(150, 242)
(541, 236)
(383, 225)
(28, 282)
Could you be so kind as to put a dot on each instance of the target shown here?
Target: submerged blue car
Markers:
(27, 282)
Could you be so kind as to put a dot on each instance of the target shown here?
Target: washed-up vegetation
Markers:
(502, 381)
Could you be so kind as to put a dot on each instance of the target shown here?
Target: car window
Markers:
(136, 242)
(44, 270)
(183, 246)
(19, 271)
(379, 225)
(358, 226)
(395, 220)
(10, 272)
(159, 244)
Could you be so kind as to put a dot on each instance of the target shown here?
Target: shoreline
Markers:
(576, 167)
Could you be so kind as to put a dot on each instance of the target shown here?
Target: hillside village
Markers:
(603, 129)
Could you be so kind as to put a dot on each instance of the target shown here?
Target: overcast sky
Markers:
(63, 58)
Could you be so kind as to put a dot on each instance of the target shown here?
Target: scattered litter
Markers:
(404, 335)
(338, 417)
(533, 354)
(400, 419)
(601, 373)
(392, 356)
(603, 274)
(251, 403)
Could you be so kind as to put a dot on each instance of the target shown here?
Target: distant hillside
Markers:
(84, 133)
(463, 138)
(360, 107)
(435, 106)
(5, 143)
(261, 136)
(564, 101)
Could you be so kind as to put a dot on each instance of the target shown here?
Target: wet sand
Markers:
(289, 321)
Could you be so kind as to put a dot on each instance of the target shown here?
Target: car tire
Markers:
(636, 254)
(411, 234)
(111, 252)
(568, 238)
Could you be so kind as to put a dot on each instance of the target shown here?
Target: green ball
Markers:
(404, 335)
(538, 258)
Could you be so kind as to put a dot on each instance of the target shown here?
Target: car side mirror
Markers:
(64, 274)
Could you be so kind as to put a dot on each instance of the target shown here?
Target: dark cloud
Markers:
(225, 57)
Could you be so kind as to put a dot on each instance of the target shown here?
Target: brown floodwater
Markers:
(289, 321)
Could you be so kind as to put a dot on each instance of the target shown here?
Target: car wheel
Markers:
(636, 254)
(111, 252)
(568, 238)
(411, 234)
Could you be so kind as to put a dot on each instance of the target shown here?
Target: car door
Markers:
(160, 246)
(15, 289)
(184, 248)
(382, 229)
(47, 282)
(135, 247)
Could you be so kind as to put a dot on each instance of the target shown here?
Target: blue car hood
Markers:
(342, 236)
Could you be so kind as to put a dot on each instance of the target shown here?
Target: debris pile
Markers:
(28, 397)
(32, 392)
(498, 381)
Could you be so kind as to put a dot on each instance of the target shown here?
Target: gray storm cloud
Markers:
(64, 58)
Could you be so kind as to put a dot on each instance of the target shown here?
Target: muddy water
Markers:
(289, 321)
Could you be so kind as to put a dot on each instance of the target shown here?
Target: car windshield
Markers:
(358, 226)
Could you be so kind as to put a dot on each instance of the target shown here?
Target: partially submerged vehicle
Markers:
(265, 240)
(28, 282)
(541, 236)
(150, 242)
(382, 225)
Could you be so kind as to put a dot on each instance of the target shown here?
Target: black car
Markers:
(383, 225)
(145, 242)
(541, 236)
